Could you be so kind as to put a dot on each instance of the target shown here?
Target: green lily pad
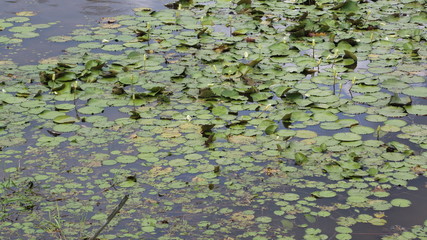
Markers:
(393, 156)
(220, 110)
(90, 110)
(178, 162)
(417, 109)
(50, 114)
(376, 118)
(26, 35)
(305, 134)
(362, 129)
(352, 109)
(126, 159)
(325, 116)
(347, 137)
(65, 128)
(263, 219)
(64, 119)
(290, 197)
(400, 202)
(324, 194)
(416, 91)
(365, 98)
(21, 29)
(391, 111)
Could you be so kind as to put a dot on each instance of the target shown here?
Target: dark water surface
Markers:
(67, 15)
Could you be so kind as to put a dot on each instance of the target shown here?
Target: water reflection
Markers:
(68, 15)
(79, 9)
(105, 7)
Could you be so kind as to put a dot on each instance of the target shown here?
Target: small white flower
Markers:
(285, 39)
(105, 40)
(189, 118)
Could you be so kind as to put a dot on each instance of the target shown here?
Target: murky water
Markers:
(76, 11)
(67, 15)
(70, 15)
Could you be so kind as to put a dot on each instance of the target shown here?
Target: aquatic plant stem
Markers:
(313, 44)
(112, 215)
(335, 80)
(75, 99)
(352, 84)
(149, 33)
(133, 92)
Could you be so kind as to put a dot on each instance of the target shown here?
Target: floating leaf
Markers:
(22, 29)
(220, 110)
(391, 111)
(362, 129)
(126, 159)
(271, 129)
(26, 13)
(64, 119)
(325, 116)
(290, 197)
(65, 128)
(324, 194)
(263, 219)
(416, 91)
(300, 158)
(305, 134)
(395, 100)
(400, 202)
(376, 118)
(417, 109)
(347, 137)
(90, 110)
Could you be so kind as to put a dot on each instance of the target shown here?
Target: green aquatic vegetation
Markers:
(243, 119)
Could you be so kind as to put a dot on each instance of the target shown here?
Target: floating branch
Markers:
(112, 215)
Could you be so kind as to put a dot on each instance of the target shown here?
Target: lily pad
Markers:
(347, 137)
(416, 91)
(65, 128)
(64, 119)
(400, 202)
(417, 109)
(90, 110)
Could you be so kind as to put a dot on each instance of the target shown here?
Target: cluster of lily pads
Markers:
(222, 119)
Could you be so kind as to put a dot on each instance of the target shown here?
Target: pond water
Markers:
(66, 16)
(220, 119)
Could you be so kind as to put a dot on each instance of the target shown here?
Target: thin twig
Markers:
(112, 215)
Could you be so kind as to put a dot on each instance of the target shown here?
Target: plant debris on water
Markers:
(224, 119)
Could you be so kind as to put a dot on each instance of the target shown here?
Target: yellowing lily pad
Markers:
(26, 13)
(306, 134)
